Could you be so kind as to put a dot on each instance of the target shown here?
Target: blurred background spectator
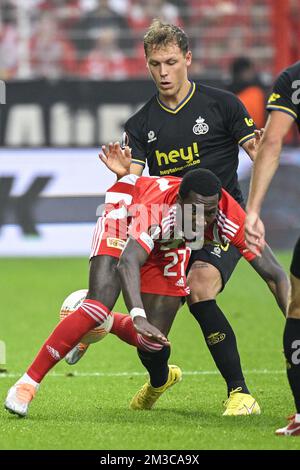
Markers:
(8, 41)
(52, 55)
(72, 32)
(246, 84)
(106, 60)
(89, 27)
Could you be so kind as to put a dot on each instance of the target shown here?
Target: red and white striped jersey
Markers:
(154, 204)
(229, 226)
(110, 232)
(151, 204)
(120, 195)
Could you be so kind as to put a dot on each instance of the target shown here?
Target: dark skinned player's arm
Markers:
(130, 263)
(273, 274)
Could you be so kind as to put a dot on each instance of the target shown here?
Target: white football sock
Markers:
(28, 380)
(297, 418)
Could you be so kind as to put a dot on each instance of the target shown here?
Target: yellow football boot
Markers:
(145, 398)
(240, 404)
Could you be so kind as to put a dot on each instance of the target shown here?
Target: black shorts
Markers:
(295, 265)
(223, 258)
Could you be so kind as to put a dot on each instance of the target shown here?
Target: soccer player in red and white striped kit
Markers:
(224, 222)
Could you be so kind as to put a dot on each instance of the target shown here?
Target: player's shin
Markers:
(124, 329)
(66, 335)
(156, 364)
(221, 341)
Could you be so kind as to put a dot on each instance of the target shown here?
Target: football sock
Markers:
(291, 344)
(124, 329)
(27, 380)
(221, 342)
(156, 364)
(66, 335)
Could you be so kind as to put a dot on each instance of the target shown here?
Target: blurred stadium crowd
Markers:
(101, 39)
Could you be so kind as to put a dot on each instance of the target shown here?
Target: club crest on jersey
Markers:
(200, 127)
(151, 136)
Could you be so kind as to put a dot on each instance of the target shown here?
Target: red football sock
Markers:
(124, 329)
(66, 335)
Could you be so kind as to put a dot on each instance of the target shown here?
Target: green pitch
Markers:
(86, 406)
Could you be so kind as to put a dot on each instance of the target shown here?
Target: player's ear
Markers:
(188, 58)
(146, 60)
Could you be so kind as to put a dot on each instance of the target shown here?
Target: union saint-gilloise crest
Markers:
(200, 127)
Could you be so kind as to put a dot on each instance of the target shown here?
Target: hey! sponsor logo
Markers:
(186, 154)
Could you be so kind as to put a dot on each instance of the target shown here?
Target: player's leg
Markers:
(291, 343)
(161, 311)
(108, 242)
(103, 292)
(210, 269)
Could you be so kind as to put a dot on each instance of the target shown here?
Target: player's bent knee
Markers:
(145, 344)
(204, 281)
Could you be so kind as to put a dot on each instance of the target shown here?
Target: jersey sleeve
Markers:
(134, 139)
(240, 243)
(231, 221)
(241, 125)
(281, 96)
(145, 211)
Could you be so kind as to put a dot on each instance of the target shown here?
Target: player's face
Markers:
(168, 68)
(210, 208)
(192, 204)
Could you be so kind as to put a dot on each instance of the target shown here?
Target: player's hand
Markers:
(145, 328)
(259, 135)
(254, 233)
(252, 145)
(116, 159)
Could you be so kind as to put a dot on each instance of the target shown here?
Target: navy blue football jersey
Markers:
(203, 131)
(285, 95)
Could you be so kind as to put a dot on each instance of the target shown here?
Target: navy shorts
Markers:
(223, 258)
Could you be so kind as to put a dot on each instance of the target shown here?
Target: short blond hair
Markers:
(162, 34)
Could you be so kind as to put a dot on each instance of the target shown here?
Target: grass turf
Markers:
(90, 411)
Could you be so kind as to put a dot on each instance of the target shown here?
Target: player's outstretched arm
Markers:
(116, 159)
(267, 160)
(264, 168)
(254, 233)
(130, 263)
(274, 275)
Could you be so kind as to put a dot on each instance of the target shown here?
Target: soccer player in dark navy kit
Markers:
(186, 126)
(284, 108)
